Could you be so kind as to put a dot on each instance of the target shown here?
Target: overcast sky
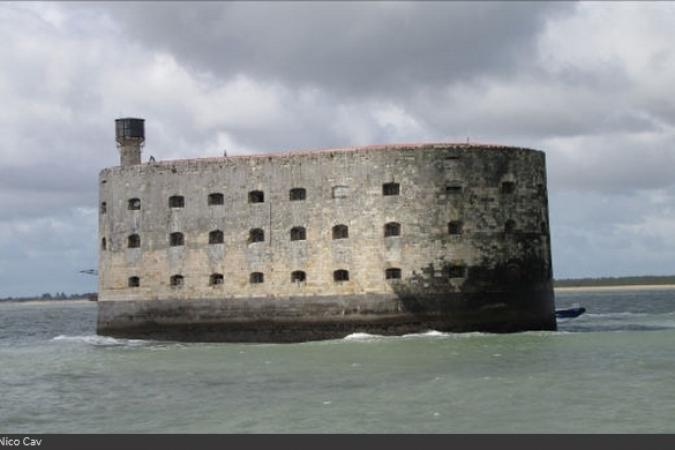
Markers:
(591, 84)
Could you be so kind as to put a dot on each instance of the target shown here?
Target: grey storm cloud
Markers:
(355, 48)
(587, 82)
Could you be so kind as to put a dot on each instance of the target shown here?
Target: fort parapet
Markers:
(287, 247)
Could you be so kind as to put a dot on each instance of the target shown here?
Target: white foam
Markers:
(94, 339)
(430, 333)
(424, 334)
(361, 337)
(368, 336)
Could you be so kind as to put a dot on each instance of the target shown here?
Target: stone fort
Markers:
(285, 247)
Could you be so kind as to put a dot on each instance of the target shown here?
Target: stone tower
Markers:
(130, 137)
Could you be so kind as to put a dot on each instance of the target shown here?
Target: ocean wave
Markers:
(100, 341)
(446, 335)
(362, 337)
(430, 333)
(545, 333)
(614, 315)
(371, 337)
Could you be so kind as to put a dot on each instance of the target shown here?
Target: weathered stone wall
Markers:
(498, 184)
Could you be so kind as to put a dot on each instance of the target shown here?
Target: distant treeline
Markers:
(53, 297)
(614, 281)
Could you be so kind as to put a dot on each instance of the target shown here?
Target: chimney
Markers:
(130, 137)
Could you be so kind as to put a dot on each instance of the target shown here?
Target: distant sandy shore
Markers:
(635, 287)
(46, 302)
(632, 287)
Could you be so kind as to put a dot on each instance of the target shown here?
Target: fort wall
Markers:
(454, 232)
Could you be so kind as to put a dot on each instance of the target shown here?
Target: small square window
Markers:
(256, 278)
(216, 279)
(340, 232)
(176, 280)
(177, 201)
(256, 235)
(134, 204)
(392, 229)
(508, 187)
(341, 275)
(455, 227)
(134, 241)
(392, 274)
(456, 271)
(216, 198)
(216, 237)
(298, 276)
(256, 197)
(297, 194)
(390, 189)
(298, 234)
(176, 239)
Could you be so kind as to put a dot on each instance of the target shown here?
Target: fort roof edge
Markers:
(353, 149)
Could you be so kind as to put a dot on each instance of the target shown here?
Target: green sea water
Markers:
(611, 370)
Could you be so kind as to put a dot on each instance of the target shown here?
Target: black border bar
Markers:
(341, 442)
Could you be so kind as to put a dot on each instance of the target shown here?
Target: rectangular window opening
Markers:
(455, 227)
(297, 194)
(256, 278)
(393, 273)
(456, 271)
(390, 189)
(508, 187)
(256, 197)
(216, 199)
(177, 201)
(134, 204)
